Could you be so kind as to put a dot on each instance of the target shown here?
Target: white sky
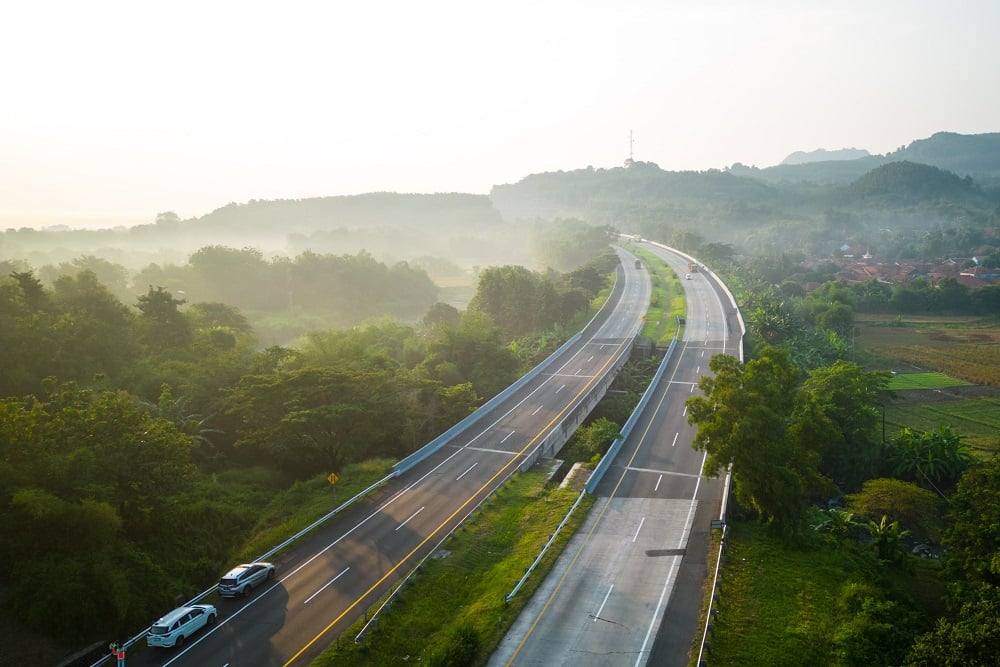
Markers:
(112, 111)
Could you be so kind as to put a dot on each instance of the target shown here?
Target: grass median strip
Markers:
(455, 605)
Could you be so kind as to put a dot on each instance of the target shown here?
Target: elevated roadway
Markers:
(333, 577)
(627, 589)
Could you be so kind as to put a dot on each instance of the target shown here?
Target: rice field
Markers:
(955, 379)
(924, 381)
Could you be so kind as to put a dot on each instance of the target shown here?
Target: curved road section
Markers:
(627, 589)
(339, 572)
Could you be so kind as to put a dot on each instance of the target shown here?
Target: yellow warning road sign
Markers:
(333, 478)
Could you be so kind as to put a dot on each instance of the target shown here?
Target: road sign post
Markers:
(333, 478)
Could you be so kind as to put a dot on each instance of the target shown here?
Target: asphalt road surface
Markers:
(627, 589)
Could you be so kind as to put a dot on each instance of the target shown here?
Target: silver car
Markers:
(242, 579)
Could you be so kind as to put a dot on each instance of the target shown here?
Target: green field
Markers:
(977, 420)
(924, 381)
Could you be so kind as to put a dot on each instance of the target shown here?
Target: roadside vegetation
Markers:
(861, 531)
(151, 428)
(666, 303)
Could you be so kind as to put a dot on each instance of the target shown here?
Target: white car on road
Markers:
(181, 623)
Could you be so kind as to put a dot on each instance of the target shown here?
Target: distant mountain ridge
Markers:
(975, 155)
(823, 155)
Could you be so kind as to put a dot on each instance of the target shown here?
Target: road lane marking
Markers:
(658, 480)
(636, 536)
(507, 436)
(560, 388)
(671, 473)
(467, 471)
(672, 575)
(329, 583)
(504, 470)
(536, 411)
(674, 443)
(408, 519)
(597, 523)
(603, 602)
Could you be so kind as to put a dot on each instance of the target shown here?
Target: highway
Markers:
(627, 589)
(334, 576)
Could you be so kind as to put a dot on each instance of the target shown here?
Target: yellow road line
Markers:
(502, 470)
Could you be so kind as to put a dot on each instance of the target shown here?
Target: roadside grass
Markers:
(924, 381)
(781, 603)
(304, 502)
(455, 603)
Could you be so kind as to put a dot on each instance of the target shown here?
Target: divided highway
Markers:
(336, 574)
(627, 589)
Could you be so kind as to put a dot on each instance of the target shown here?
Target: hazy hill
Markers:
(605, 196)
(463, 229)
(823, 155)
(975, 155)
(378, 209)
(908, 183)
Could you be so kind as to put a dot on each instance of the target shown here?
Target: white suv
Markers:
(242, 579)
(181, 623)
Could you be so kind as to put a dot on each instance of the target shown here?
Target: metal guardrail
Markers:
(720, 287)
(443, 439)
(609, 457)
(545, 549)
(530, 458)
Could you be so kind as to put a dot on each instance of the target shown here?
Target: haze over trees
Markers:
(130, 432)
(151, 396)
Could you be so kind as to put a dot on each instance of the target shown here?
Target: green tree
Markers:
(162, 327)
(934, 459)
(973, 537)
(848, 396)
(589, 442)
(969, 639)
(313, 420)
(472, 352)
(94, 329)
(886, 536)
(86, 478)
(509, 295)
(873, 630)
(920, 510)
(743, 419)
